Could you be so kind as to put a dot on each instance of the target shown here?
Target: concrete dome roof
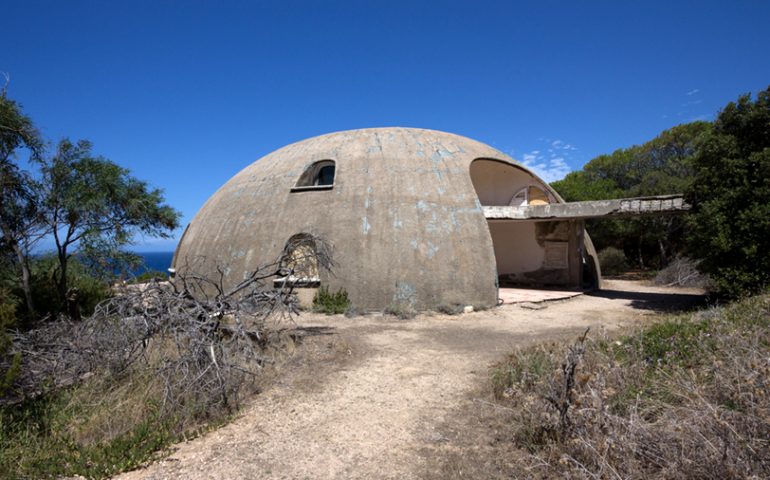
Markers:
(403, 216)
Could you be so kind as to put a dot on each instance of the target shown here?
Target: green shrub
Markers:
(450, 309)
(10, 364)
(612, 261)
(150, 275)
(91, 290)
(730, 198)
(44, 437)
(331, 303)
(403, 311)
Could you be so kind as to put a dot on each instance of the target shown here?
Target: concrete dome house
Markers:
(404, 211)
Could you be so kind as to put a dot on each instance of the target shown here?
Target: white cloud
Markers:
(693, 92)
(549, 163)
(549, 170)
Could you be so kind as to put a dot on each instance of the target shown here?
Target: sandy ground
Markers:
(368, 398)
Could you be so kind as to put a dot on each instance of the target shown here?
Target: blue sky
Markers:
(187, 93)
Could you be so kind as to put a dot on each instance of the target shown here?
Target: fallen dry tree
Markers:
(196, 341)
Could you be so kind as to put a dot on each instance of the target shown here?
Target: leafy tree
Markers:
(19, 220)
(658, 167)
(730, 196)
(90, 203)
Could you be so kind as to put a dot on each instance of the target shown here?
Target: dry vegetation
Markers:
(688, 397)
(154, 363)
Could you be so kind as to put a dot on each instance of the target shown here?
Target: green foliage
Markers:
(730, 195)
(39, 439)
(90, 289)
(331, 303)
(98, 207)
(450, 308)
(150, 275)
(20, 222)
(678, 340)
(612, 261)
(86, 203)
(10, 363)
(522, 368)
(402, 310)
(659, 167)
(17, 130)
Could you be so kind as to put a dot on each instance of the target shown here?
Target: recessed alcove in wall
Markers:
(517, 249)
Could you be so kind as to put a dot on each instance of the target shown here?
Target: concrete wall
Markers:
(516, 248)
(403, 217)
(538, 253)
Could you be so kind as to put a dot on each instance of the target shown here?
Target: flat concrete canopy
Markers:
(620, 207)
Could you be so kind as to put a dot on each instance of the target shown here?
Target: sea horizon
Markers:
(153, 261)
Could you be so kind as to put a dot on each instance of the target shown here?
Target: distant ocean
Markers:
(159, 261)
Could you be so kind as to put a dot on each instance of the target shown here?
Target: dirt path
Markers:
(368, 411)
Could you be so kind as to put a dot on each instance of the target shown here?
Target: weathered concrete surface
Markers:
(403, 216)
(664, 204)
(510, 296)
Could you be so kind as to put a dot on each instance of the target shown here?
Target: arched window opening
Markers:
(536, 196)
(520, 199)
(299, 263)
(300, 257)
(530, 195)
(317, 176)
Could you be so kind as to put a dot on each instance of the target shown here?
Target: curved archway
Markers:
(498, 183)
(300, 259)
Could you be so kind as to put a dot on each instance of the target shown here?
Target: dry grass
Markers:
(682, 272)
(688, 397)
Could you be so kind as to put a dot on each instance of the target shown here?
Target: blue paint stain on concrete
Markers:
(405, 295)
(431, 250)
(414, 244)
(366, 227)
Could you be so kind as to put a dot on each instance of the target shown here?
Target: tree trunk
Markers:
(639, 252)
(25, 279)
(663, 256)
(61, 282)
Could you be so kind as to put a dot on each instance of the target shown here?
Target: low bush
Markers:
(10, 362)
(90, 289)
(687, 397)
(331, 303)
(150, 275)
(352, 312)
(450, 309)
(72, 432)
(682, 272)
(612, 261)
(400, 310)
(170, 359)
